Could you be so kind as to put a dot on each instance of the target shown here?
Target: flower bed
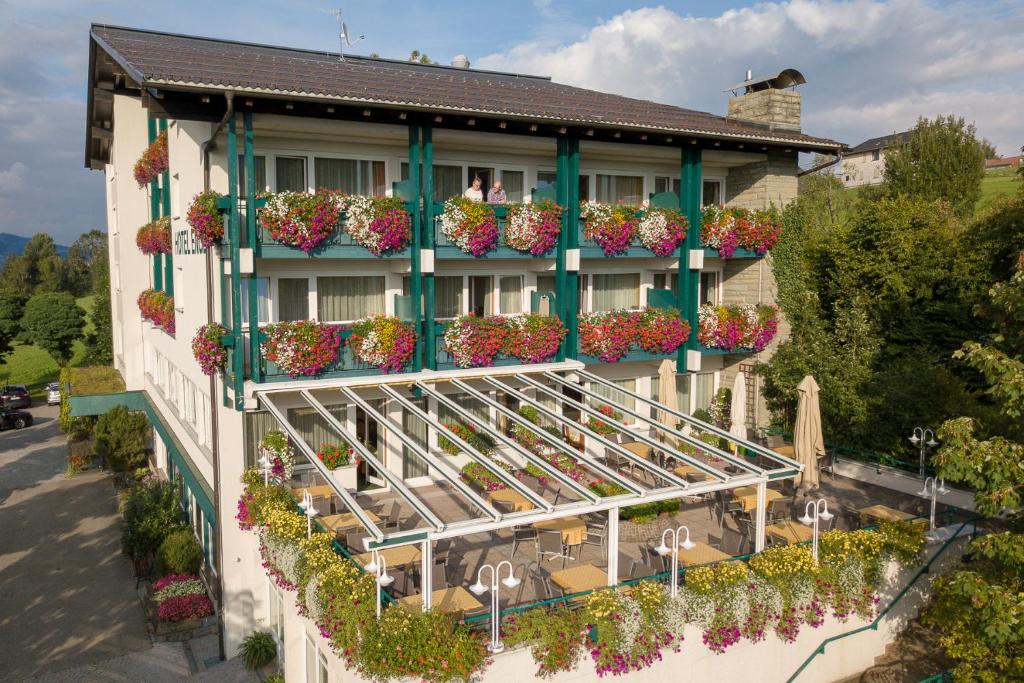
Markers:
(384, 341)
(613, 227)
(381, 224)
(469, 225)
(302, 347)
(205, 218)
(180, 597)
(300, 219)
(158, 308)
(155, 237)
(533, 228)
(610, 335)
(729, 229)
(661, 230)
(334, 456)
(208, 350)
(153, 162)
(747, 327)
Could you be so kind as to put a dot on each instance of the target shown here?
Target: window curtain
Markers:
(512, 181)
(262, 299)
(466, 402)
(620, 189)
(313, 428)
(293, 299)
(545, 283)
(511, 294)
(447, 296)
(352, 176)
(666, 184)
(349, 298)
(260, 165)
(412, 464)
(291, 174)
(616, 395)
(256, 427)
(705, 390)
(616, 290)
(447, 180)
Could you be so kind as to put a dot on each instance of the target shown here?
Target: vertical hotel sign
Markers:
(185, 243)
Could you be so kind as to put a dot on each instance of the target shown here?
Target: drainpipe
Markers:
(822, 166)
(214, 423)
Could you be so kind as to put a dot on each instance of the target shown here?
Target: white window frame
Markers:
(713, 179)
(689, 410)
(321, 673)
(389, 299)
(275, 617)
(589, 307)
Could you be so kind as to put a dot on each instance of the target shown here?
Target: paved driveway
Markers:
(67, 595)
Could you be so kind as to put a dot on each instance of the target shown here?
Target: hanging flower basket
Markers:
(381, 224)
(661, 230)
(611, 226)
(155, 237)
(384, 341)
(303, 347)
(153, 162)
(158, 308)
(533, 228)
(469, 225)
(475, 342)
(205, 219)
(661, 330)
(208, 350)
(533, 338)
(302, 220)
(275, 446)
(747, 327)
(735, 228)
(608, 335)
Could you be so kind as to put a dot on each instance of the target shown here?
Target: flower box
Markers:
(153, 162)
(745, 328)
(729, 229)
(347, 476)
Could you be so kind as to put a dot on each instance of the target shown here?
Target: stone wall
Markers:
(777, 108)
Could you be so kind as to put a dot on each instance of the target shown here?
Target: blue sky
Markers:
(873, 66)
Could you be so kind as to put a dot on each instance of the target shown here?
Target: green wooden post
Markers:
(165, 210)
(562, 199)
(236, 278)
(154, 212)
(571, 292)
(250, 232)
(429, 313)
(224, 315)
(689, 279)
(416, 273)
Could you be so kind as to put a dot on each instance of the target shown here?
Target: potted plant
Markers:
(338, 459)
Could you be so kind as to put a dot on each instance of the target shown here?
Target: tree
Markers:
(82, 256)
(420, 57)
(979, 607)
(39, 265)
(12, 307)
(941, 159)
(988, 149)
(54, 321)
(99, 344)
(120, 438)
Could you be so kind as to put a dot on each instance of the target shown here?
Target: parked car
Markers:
(15, 419)
(52, 394)
(15, 396)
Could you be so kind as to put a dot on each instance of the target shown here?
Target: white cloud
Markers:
(872, 66)
(12, 181)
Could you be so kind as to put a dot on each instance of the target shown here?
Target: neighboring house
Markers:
(1004, 162)
(865, 163)
(306, 120)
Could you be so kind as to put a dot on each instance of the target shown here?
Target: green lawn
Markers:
(32, 366)
(998, 183)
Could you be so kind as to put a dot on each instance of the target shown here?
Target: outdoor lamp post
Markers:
(820, 508)
(931, 490)
(307, 509)
(479, 588)
(663, 550)
(379, 568)
(926, 439)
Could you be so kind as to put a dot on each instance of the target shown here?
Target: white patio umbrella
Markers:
(667, 392)
(738, 409)
(808, 441)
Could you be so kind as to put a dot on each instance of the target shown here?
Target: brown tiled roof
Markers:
(172, 61)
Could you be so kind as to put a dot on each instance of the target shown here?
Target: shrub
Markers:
(258, 650)
(120, 438)
(151, 512)
(180, 553)
(274, 678)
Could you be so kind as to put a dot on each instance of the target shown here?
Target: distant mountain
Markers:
(15, 244)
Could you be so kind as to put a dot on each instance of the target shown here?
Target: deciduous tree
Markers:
(53, 321)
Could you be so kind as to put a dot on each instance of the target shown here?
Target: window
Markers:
(447, 296)
(293, 298)
(545, 283)
(666, 184)
(262, 299)
(711, 193)
(620, 189)
(510, 290)
(351, 176)
(615, 394)
(445, 415)
(708, 287)
(179, 289)
(550, 179)
(480, 295)
(313, 428)
(342, 299)
(615, 290)
(447, 181)
(316, 663)
(666, 281)
(260, 166)
(876, 155)
(705, 390)
(291, 174)
(512, 181)
(277, 617)
(412, 464)
(484, 173)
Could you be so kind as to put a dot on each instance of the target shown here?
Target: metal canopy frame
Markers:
(427, 383)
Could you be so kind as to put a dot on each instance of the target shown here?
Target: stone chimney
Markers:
(771, 100)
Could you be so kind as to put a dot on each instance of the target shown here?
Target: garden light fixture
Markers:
(931, 490)
(664, 549)
(926, 439)
(479, 588)
(811, 519)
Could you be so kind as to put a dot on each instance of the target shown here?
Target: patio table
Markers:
(585, 577)
(318, 491)
(788, 450)
(399, 556)
(454, 600)
(517, 500)
(684, 470)
(701, 553)
(884, 513)
(573, 529)
(791, 531)
(747, 495)
(345, 520)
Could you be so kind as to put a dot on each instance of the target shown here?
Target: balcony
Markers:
(445, 249)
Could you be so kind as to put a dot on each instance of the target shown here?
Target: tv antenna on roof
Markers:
(343, 34)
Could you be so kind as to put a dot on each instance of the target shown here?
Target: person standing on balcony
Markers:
(474, 192)
(497, 195)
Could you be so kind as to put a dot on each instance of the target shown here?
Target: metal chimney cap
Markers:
(460, 61)
(787, 78)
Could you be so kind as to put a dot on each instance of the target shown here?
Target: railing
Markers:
(444, 358)
(345, 365)
(879, 460)
(444, 248)
(944, 677)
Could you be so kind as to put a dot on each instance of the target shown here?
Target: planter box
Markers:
(346, 476)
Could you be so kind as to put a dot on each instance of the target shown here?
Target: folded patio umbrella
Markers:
(738, 409)
(667, 392)
(808, 442)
